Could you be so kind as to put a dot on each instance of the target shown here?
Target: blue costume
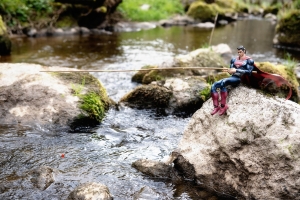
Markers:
(244, 66)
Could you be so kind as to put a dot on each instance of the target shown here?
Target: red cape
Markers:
(260, 78)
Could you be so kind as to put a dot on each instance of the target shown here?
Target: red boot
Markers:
(224, 106)
(215, 98)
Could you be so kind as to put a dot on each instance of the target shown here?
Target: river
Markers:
(105, 153)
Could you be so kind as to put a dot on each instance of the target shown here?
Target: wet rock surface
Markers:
(249, 153)
(153, 168)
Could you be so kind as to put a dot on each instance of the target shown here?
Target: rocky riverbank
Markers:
(51, 100)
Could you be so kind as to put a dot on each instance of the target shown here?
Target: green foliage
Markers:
(23, 10)
(297, 4)
(92, 104)
(290, 62)
(78, 88)
(205, 93)
(205, 46)
(288, 9)
(159, 9)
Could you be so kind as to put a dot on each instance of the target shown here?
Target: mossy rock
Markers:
(148, 97)
(138, 77)
(203, 57)
(158, 74)
(94, 101)
(206, 12)
(288, 29)
(202, 11)
(66, 21)
(287, 73)
(161, 74)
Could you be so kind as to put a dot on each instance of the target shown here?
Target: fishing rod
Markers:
(130, 70)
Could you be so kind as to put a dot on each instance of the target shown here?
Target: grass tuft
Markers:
(158, 9)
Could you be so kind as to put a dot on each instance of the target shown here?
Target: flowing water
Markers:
(105, 154)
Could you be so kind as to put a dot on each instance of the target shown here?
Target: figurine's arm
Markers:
(232, 63)
(248, 68)
(231, 69)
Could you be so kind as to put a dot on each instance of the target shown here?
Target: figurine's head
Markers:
(242, 48)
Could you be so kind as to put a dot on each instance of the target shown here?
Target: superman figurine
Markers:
(239, 66)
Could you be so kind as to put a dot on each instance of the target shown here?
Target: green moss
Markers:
(93, 96)
(93, 106)
(205, 93)
(66, 21)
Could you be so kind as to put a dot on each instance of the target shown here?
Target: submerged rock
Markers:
(90, 191)
(153, 168)
(146, 193)
(62, 100)
(250, 153)
(42, 177)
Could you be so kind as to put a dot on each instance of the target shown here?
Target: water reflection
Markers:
(145, 47)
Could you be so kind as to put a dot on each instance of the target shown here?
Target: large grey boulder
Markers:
(250, 153)
(62, 100)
